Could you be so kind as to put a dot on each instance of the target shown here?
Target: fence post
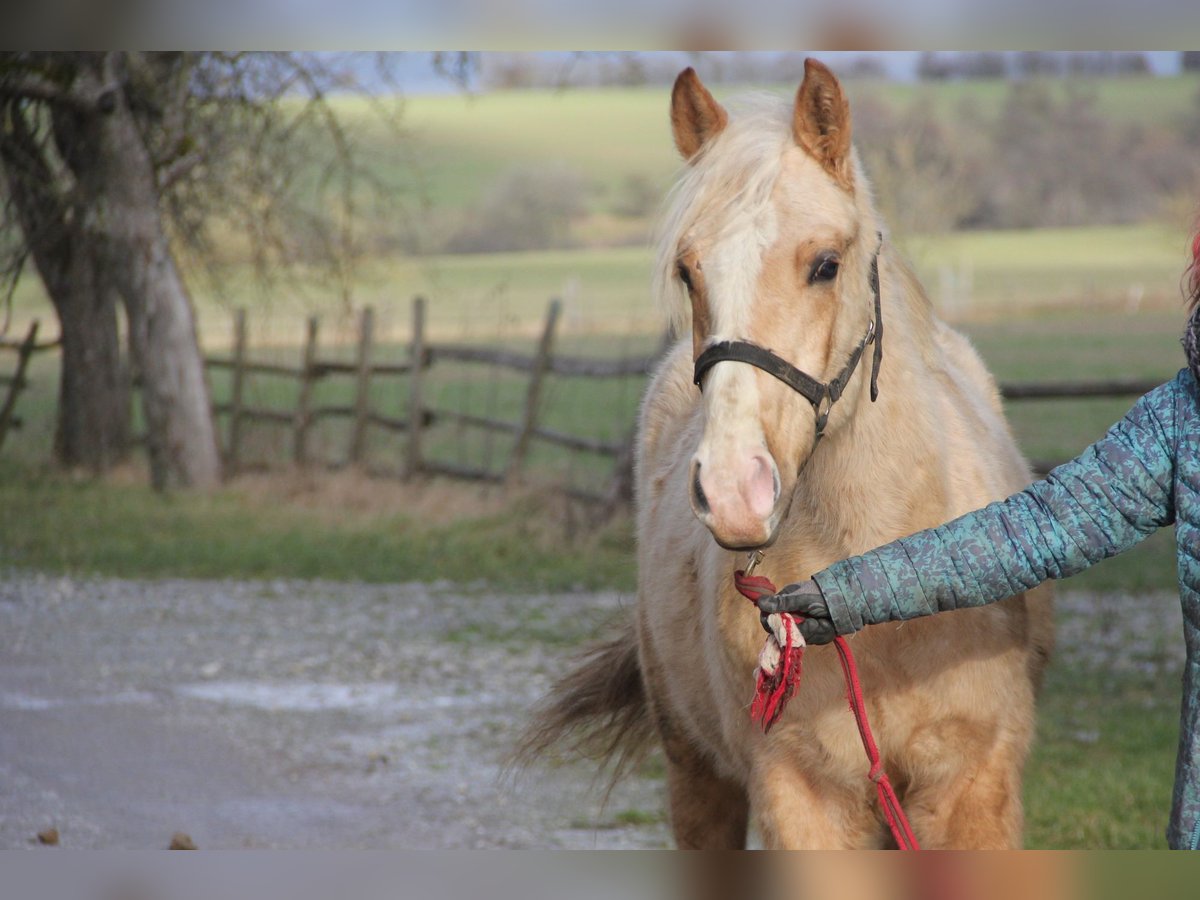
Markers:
(236, 392)
(533, 394)
(416, 405)
(303, 420)
(620, 486)
(362, 395)
(24, 352)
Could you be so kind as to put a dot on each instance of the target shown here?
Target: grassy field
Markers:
(464, 142)
(605, 291)
(339, 529)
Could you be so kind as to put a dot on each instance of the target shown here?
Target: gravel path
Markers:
(298, 714)
(308, 714)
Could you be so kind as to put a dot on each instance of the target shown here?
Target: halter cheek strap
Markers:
(821, 395)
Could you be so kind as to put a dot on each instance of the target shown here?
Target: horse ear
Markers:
(696, 118)
(821, 122)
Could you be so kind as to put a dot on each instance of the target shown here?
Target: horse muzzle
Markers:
(737, 498)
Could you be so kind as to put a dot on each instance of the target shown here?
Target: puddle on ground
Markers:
(329, 697)
(29, 703)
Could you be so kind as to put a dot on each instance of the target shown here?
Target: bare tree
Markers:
(114, 161)
(84, 188)
(923, 173)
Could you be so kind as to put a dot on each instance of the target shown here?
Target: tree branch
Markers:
(31, 86)
(23, 156)
(173, 172)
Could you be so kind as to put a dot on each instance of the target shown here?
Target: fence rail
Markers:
(579, 366)
(418, 415)
(1064, 390)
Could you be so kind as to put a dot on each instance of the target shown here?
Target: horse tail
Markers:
(597, 709)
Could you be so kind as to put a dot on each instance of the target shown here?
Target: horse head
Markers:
(770, 243)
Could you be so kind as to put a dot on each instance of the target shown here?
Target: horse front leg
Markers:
(796, 809)
(979, 808)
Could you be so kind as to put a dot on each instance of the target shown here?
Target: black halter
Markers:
(821, 396)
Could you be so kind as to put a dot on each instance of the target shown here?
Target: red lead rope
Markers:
(774, 689)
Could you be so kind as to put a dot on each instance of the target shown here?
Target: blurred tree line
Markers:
(632, 68)
(1046, 156)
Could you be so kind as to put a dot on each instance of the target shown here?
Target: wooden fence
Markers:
(12, 385)
(528, 428)
(419, 414)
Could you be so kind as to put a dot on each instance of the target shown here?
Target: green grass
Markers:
(1102, 767)
(1128, 100)
(465, 143)
(471, 297)
(639, 818)
(54, 524)
(1014, 272)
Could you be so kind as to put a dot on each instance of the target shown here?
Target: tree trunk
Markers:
(120, 211)
(93, 418)
(94, 401)
(180, 434)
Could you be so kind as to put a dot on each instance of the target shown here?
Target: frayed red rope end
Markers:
(774, 689)
(775, 685)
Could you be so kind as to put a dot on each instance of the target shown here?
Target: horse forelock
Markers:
(723, 189)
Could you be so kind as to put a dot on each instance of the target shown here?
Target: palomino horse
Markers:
(772, 240)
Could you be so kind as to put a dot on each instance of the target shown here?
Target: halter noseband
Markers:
(822, 396)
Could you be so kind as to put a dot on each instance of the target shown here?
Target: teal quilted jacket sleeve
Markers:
(1113, 495)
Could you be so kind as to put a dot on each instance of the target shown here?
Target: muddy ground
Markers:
(307, 714)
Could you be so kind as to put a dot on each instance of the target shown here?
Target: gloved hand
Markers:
(804, 599)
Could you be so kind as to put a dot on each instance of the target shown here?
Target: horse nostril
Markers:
(698, 491)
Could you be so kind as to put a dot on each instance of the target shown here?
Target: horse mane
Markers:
(730, 179)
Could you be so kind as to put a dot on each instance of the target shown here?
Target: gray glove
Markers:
(804, 599)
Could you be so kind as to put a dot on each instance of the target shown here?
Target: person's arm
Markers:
(1113, 495)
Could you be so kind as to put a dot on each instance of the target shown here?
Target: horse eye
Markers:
(685, 276)
(824, 269)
